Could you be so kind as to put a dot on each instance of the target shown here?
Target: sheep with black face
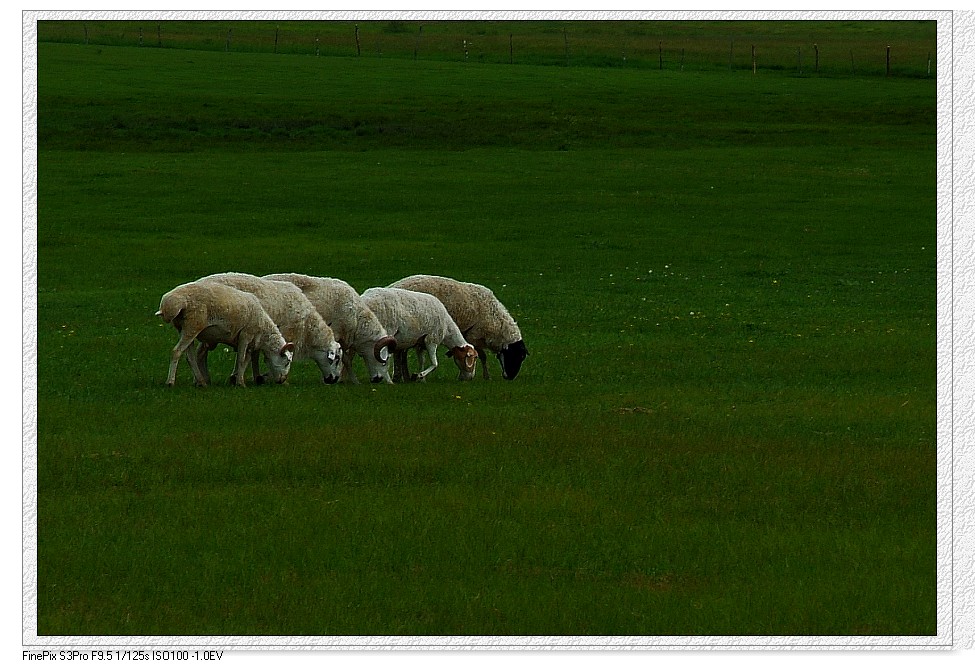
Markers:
(481, 317)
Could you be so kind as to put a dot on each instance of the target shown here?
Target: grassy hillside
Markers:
(726, 283)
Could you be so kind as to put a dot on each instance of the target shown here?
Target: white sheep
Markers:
(480, 316)
(295, 317)
(420, 321)
(355, 326)
(217, 314)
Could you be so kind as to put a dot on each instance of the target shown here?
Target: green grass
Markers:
(727, 285)
(828, 48)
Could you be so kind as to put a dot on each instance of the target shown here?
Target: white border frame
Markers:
(955, 37)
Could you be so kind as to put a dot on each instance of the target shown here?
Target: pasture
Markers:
(726, 282)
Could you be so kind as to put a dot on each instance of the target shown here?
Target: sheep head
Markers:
(330, 363)
(280, 362)
(465, 357)
(511, 357)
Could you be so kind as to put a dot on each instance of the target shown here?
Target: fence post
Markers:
(660, 54)
(318, 48)
(511, 49)
(140, 35)
(230, 33)
(276, 39)
(86, 33)
(929, 63)
(816, 46)
(682, 59)
(799, 55)
(158, 34)
(565, 38)
(731, 55)
(754, 64)
(358, 47)
(888, 60)
(416, 46)
(853, 69)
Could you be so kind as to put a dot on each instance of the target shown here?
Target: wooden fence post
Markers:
(888, 60)
(230, 33)
(816, 46)
(416, 45)
(358, 47)
(682, 59)
(660, 55)
(140, 35)
(799, 56)
(86, 33)
(158, 34)
(754, 63)
(318, 48)
(276, 29)
(853, 69)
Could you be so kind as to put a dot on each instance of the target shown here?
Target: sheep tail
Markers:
(170, 309)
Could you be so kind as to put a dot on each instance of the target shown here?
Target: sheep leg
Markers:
(256, 369)
(202, 354)
(431, 350)
(202, 379)
(481, 354)
(401, 366)
(185, 342)
(243, 357)
(419, 363)
(348, 374)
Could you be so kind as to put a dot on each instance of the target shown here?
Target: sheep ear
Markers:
(288, 347)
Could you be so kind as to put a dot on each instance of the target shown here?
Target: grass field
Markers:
(833, 48)
(726, 282)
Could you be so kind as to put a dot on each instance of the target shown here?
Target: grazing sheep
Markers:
(213, 313)
(355, 326)
(295, 317)
(420, 321)
(481, 317)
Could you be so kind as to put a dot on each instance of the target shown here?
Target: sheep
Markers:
(355, 326)
(420, 321)
(295, 317)
(214, 313)
(484, 321)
